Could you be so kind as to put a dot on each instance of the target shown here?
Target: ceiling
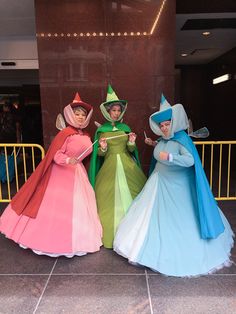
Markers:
(17, 18)
(202, 49)
(17, 21)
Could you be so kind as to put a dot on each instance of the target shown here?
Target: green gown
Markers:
(118, 181)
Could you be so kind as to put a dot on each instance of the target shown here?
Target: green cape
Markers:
(97, 161)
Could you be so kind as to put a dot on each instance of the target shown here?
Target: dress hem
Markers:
(68, 255)
(227, 263)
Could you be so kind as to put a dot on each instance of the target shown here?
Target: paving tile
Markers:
(208, 294)
(15, 260)
(98, 294)
(105, 261)
(20, 294)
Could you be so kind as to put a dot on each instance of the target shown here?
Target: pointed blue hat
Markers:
(165, 112)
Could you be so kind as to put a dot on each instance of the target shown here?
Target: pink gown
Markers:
(67, 222)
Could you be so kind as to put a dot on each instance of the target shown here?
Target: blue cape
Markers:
(210, 222)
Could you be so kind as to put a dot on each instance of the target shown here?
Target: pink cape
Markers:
(28, 199)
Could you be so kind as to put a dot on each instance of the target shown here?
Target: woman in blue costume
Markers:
(174, 225)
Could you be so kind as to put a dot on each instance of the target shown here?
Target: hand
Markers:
(150, 142)
(164, 155)
(73, 160)
(103, 143)
(132, 137)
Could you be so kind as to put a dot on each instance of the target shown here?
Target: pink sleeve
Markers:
(60, 157)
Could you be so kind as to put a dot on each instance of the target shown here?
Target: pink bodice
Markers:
(73, 146)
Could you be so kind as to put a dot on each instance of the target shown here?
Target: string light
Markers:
(157, 17)
(94, 34)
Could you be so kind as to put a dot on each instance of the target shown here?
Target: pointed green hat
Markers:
(112, 98)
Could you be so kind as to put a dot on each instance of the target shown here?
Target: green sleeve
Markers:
(131, 147)
(96, 160)
(93, 162)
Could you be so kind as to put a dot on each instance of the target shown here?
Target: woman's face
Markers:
(80, 115)
(165, 127)
(115, 112)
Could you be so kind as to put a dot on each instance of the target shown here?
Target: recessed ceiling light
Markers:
(206, 33)
(184, 54)
(221, 78)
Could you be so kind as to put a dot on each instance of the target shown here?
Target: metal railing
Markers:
(218, 158)
(219, 162)
(17, 162)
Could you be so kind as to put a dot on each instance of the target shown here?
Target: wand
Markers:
(108, 138)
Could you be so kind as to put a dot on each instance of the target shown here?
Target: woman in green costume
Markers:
(115, 171)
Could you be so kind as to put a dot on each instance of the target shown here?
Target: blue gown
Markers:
(161, 229)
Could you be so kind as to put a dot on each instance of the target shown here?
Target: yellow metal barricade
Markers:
(17, 162)
(218, 160)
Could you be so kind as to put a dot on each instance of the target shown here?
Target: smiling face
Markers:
(115, 112)
(80, 115)
(165, 127)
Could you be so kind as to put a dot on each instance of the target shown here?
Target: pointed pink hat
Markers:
(78, 102)
(70, 116)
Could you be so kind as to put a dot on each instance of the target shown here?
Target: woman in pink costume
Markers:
(54, 213)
